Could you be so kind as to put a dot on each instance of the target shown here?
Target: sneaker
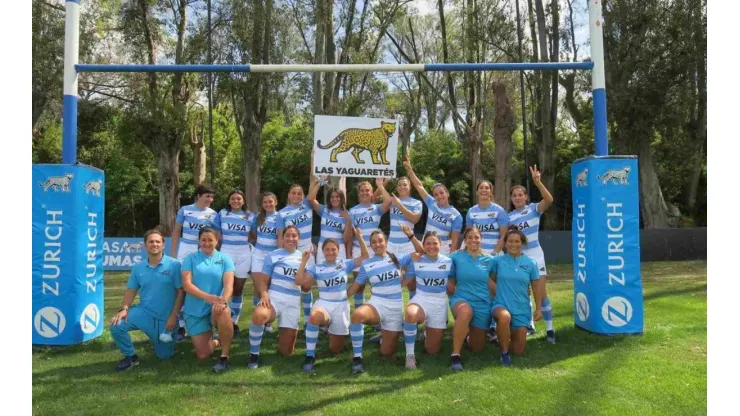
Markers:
(411, 362)
(531, 331)
(550, 336)
(236, 330)
(268, 329)
(456, 363)
(254, 361)
(492, 335)
(324, 330)
(181, 334)
(357, 366)
(422, 335)
(506, 359)
(221, 365)
(127, 362)
(308, 364)
(375, 339)
(377, 327)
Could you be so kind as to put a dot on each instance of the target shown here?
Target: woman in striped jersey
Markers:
(281, 301)
(267, 240)
(236, 226)
(334, 218)
(385, 307)
(298, 213)
(332, 308)
(489, 218)
(442, 218)
(365, 216)
(405, 211)
(526, 217)
(431, 272)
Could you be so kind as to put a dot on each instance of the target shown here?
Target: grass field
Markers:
(662, 372)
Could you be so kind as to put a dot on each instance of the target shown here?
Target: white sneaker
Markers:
(411, 362)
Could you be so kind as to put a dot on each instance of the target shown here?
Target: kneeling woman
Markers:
(431, 272)
(385, 306)
(332, 308)
(513, 273)
(208, 280)
(282, 301)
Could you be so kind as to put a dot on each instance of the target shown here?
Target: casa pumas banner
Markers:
(606, 245)
(68, 214)
(355, 146)
(122, 253)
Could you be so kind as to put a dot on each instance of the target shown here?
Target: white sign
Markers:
(355, 146)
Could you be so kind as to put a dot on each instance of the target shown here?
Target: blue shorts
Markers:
(481, 311)
(197, 325)
(519, 320)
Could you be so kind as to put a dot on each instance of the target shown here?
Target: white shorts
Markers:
(435, 309)
(311, 260)
(538, 256)
(338, 315)
(185, 249)
(390, 311)
(401, 250)
(287, 309)
(320, 254)
(258, 260)
(242, 258)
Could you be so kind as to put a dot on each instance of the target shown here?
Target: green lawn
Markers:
(662, 372)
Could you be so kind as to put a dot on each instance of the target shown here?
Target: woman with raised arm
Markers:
(335, 221)
(265, 229)
(526, 218)
(332, 308)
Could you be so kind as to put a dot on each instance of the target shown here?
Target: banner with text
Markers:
(67, 252)
(121, 253)
(606, 245)
(355, 146)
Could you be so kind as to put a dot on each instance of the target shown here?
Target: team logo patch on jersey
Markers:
(525, 267)
(339, 267)
(207, 216)
(370, 209)
(422, 267)
(493, 215)
(525, 212)
(218, 262)
(443, 267)
(165, 273)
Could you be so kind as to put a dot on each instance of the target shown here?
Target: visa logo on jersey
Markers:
(194, 226)
(522, 225)
(300, 220)
(487, 227)
(289, 271)
(263, 229)
(237, 227)
(384, 277)
(440, 218)
(333, 224)
(364, 220)
(335, 281)
(434, 282)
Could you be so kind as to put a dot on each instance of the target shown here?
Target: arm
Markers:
(301, 276)
(279, 227)
(175, 239)
(228, 282)
(500, 244)
(547, 198)
(192, 290)
(172, 319)
(451, 285)
(492, 285)
(347, 235)
(128, 299)
(412, 238)
(313, 190)
(414, 179)
(364, 254)
(455, 240)
(354, 288)
(385, 206)
(539, 293)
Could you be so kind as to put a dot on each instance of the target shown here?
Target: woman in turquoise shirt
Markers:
(470, 289)
(512, 274)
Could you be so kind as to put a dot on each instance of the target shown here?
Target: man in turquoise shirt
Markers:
(157, 280)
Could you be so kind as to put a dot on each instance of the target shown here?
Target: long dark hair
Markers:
(228, 198)
(517, 232)
(393, 257)
(263, 214)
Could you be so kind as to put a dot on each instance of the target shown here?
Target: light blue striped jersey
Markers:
(397, 236)
(235, 227)
(333, 225)
(282, 265)
(367, 219)
(332, 279)
(431, 274)
(301, 216)
(442, 220)
(383, 275)
(266, 233)
(192, 220)
(489, 221)
(527, 220)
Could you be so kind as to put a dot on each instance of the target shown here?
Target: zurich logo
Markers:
(582, 309)
(617, 311)
(49, 322)
(90, 319)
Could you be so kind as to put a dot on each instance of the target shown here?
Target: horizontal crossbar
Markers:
(534, 66)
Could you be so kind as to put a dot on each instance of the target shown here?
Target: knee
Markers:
(202, 354)
(504, 318)
(316, 318)
(434, 350)
(465, 313)
(357, 317)
(117, 329)
(260, 316)
(412, 316)
(285, 351)
(517, 349)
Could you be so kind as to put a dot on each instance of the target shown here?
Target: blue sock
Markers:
(255, 300)
(359, 299)
(236, 308)
(312, 335)
(547, 313)
(255, 338)
(409, 337)
(357, 333)
(306, 300)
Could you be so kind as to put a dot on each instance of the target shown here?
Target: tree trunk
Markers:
(697, 127)
(168, 159)
(319, 57)
(251, 147)
(652, 204)
(199, 153)
(504, 126)
(329, 56)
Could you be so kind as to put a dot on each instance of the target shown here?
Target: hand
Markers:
(171, 323)
(536, 175)
(416, 256)
(395, 200)
(218, 308)
(537, 314)
(407, 163)
(119, 316)
(307, 255)
(379, 182)
(345, 214)
(265, 301)
(406, 230)
(358, 232)
(213, 300)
